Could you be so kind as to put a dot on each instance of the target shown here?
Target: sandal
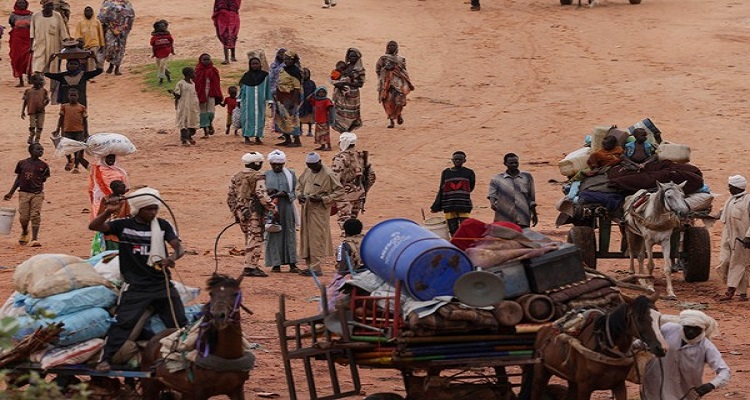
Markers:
(24, 239)
(255, 272)
(743, 297)
(35, 243)
(276, 268)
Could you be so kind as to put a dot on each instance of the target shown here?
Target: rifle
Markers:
(365, 179)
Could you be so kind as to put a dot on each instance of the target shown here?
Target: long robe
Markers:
(188, 110)
(226, 19)
(393, 84)
(315, 229)
(734, 259)
(281, 247)
(253, 100)
(20, 43)
(48, 34)
(117, 16)
(682, 366)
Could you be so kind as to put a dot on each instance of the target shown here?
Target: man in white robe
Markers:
(689, 350)
(48, 30)
(734, 258)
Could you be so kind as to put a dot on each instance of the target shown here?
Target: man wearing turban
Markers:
(734, 258)
(144, 265)
(281, 246)
(249, 203)
(353, 170)
(317, 191)
(681, 370)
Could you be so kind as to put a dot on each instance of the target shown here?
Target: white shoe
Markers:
(333, 3)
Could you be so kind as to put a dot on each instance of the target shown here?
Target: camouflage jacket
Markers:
(247, 195)
(349, 167)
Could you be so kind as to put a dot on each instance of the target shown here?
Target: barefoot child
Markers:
(35, 100)
(31, 174)
(162, 46)
(186, 105)
(305, 111)
(73, 124)
(323, 115)
(230, 102)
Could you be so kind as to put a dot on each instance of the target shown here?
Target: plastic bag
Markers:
(66, 147)
(110, 270)
(187, 293)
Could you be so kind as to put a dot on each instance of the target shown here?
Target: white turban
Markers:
(738, 181)
(701, 320)
(252, 157)
(136, 203)
(347, 139)
(157, 251)
(277, 157)
(312, 158)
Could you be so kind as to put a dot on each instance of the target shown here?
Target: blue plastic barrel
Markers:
(400, 249)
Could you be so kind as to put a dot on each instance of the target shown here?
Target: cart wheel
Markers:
(635, 1)
(585, 239)
(384, 396)
(566, 2)
(698, 249)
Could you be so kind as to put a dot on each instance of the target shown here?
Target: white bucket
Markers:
(438, 226)
(6, 219)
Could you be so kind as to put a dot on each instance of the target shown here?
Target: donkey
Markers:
(651, 219)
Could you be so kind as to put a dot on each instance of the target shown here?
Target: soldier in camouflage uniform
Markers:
(349, 167)
(249, 203)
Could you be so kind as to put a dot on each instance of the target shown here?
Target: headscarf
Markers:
(210, 73)
(319, 88)
(347, 139)
(158, 251)
(357, 66)
(738, 181)
(700, 319)
(19, 11)
(252, 77)
(293, 69)
(312, 158)
(277, 157)
(395, 53)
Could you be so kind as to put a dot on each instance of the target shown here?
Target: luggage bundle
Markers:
(80, 294)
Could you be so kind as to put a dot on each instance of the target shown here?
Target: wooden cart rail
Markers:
(81, 370)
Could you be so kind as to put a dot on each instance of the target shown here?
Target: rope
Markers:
(216, 246)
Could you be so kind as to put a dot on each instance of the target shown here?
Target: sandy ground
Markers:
(527, 77)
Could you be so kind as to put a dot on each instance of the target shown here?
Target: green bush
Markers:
(148, 72)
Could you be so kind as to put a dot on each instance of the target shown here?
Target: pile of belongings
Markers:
(81, 294)
(614, 164)
(492, 247)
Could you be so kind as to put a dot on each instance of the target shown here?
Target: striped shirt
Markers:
(513, 197)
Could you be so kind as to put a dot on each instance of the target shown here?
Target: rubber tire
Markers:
(698, 248)
(635, 1)
(584, 238)
(566, 2)
(384, 396)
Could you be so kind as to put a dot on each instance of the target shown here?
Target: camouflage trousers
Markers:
(348, 210)
(253, 240)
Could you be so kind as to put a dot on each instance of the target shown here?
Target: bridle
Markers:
(233, 318)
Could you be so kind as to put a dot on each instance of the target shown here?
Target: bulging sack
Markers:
(575, 161)
(77, 327)
(104, 144)
(73, 301)
(48, 274)
(678, 153)
(72, 355)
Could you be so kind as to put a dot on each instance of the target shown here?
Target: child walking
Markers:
(31, 174)
(162, 46)
(187, 107)
(35, 100)
(230, 102)
(305, 111)
(323, 115)
(74, 124)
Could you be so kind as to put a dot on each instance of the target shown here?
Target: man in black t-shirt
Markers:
(144, 265)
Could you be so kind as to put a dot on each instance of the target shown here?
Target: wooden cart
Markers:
(465, 368)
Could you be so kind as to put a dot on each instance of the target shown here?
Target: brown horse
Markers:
(598, 358)
(220, 338)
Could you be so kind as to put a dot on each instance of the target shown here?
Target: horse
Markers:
(651, 219)
(597, 358)
(220, 338)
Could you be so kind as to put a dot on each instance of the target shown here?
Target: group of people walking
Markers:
(264, 204)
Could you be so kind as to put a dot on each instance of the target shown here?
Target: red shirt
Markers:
(161, 43)
(320, 110)
(231, 103)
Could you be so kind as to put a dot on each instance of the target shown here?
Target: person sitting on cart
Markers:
(639, 152)
(601, 160)
(144, 265)
(679, 374)
(348, 260)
